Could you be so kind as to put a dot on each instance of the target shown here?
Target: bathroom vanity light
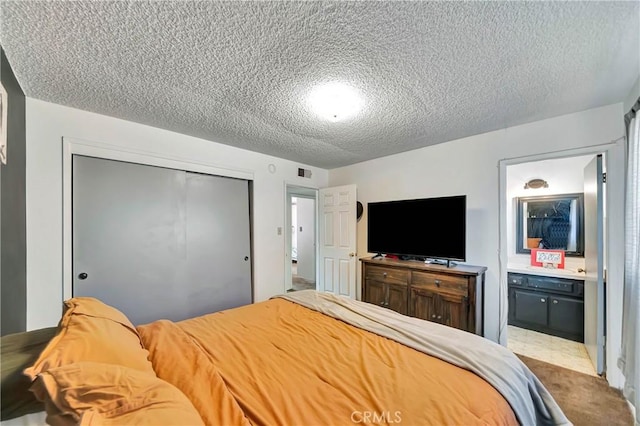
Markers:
(536, 184)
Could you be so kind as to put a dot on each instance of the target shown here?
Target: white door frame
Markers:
(73, 146)
(614, 242)
(299, 191)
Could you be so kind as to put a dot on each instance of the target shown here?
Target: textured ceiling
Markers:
(239, 72)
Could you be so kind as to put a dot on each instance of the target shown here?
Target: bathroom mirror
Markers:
(551, 222)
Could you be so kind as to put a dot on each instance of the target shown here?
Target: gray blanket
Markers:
(529, 399)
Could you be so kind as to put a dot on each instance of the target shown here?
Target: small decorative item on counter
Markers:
(547, 258)
(533, 242)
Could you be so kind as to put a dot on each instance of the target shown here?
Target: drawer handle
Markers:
(433, 316)
(437, 283)
(382, 303)
(384, 274)
(439, 316)
(555, 301)
(543, 300)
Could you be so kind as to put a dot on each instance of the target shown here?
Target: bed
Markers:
(304, 358)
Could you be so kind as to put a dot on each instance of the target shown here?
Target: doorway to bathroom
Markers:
(557, 315)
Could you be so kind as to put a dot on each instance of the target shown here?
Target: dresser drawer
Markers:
(387, 275)
(450, 284)
(552, 284)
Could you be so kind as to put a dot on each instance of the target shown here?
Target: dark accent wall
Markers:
(13, 230)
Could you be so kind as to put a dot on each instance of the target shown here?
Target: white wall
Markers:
(470, 166)
(633, 96)
(306, 238)
(294, 223)
(48, 123)
(564, 176)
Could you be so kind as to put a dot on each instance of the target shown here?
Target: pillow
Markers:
(92, 331)
(93, 393)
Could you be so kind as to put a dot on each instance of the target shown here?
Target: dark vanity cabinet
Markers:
(547, 304)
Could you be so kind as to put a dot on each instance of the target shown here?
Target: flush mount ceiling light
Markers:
(536, 184)
(335, 101)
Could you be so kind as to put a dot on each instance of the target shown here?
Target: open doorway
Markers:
(301, 239)
(556, 315)
(610, 294)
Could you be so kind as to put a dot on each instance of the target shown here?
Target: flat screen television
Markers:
(427, 228)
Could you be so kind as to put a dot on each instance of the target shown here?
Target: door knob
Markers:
(246, 258)
(82, 276)
(351, 254)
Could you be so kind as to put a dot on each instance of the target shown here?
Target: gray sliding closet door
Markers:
(218, 264)
(159, 243)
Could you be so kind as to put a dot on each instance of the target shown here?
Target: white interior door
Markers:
(594, 285)
(337, 240)
(157, 242)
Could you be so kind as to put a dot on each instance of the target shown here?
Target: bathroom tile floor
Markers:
(554, 350)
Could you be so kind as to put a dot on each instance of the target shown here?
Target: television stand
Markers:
(451, 296)
(447, 263)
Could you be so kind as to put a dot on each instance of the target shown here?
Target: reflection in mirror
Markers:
(551, 222)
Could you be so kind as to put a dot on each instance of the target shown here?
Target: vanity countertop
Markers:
(521, 264)
(547, 272)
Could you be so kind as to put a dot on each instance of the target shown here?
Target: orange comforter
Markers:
(279, 363)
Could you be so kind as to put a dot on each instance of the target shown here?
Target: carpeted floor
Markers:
(302, 284)
(585, 400)
(299, 283)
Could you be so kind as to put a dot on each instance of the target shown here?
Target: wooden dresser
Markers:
(451, 296)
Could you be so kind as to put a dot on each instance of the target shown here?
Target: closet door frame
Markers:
(73, 146)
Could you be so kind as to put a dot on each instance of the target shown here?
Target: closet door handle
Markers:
(82, 276)
(543, 300)
(555, 301)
